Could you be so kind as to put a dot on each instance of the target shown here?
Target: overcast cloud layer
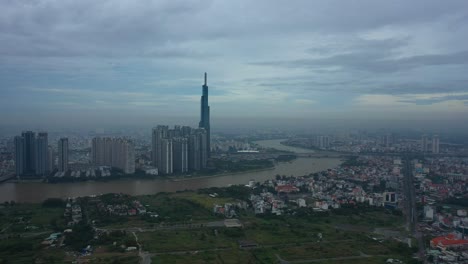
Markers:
(87, 61)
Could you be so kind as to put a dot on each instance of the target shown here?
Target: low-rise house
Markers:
(450, 241)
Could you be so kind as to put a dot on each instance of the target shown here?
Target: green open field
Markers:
(16, 218)
(113, 258)
(306, 235)
(230, 256)
(184, 240)
(203, 199)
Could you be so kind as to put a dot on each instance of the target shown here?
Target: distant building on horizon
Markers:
(323, 142)
(63, 155)
(389, 140)
(435, 144)
(424, 143)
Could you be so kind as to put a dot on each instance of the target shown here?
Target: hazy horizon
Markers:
(124, 63)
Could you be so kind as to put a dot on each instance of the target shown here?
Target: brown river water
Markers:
(37, 192)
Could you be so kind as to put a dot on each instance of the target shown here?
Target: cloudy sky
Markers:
(87, 61)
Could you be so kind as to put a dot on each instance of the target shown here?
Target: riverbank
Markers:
(35, 192)
(123, 177)
(176, 179)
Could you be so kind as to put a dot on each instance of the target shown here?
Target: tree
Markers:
(53, 203)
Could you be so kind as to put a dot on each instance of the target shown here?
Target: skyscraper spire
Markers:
(205, 114)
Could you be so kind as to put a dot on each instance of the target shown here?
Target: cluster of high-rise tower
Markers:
(179, 150)
(113, 152)
(183, 149)
(34, 156)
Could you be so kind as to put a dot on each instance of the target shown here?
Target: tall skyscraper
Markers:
(41, 154)
(114, 152)
(205, 115)
(63, 154)
(435, 144)
(202, 135)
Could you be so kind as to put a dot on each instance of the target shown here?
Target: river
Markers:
(276, 144)
(37, 192)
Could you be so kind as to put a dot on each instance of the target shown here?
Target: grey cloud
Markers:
(436, 100)
(163, 46)
(373, 62)
(378, 46)
(90, 28)
(361, 86)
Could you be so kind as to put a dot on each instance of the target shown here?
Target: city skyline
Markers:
(330, 131)
(279, 61)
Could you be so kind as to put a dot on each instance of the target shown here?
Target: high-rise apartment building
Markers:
(41, 154)
(180, 154)
(166, 165)
(51, 158)
(63, 154)
(19, 155)
(158, 134)
(194, 152)
(29, 161)
(114, 152)
(180, 149)
(31, 154)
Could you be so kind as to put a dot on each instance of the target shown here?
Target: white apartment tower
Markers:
(114, 152)
(63, 155)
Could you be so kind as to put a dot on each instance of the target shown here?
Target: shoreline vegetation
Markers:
(218, 168)
(287, 143)
(187, 178)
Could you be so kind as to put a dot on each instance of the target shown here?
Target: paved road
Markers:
(411, 212)
(361, 255)
(145, 256)
(6, 228)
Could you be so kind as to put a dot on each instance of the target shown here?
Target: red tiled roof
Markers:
(286, 188)
(449, 240)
